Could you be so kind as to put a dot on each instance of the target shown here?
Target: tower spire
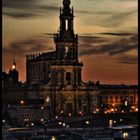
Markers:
(14, 57)
(66, 3)
(14, 61)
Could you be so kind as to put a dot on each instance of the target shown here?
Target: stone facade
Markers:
(56, 76)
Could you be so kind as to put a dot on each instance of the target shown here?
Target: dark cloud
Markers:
(83, 12)
(19, 15)
(117, 19)
(20, 9)
(117, 34)
(115, 48)
(21, 48)
(127, 59)
(19, 3)
(89, 36)
(112, 18)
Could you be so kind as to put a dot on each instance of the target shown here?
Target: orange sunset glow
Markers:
(107, 29)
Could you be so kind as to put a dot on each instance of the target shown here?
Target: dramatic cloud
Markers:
(107, 31)
(121, 46)
(32, 45)
(127, 59)
(19, 15)
(117, 34)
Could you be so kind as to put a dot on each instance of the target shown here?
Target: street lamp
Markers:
(32, 124)
(64, 124)
(53, 138)
(125, 135)
(3, 121)
(87, 122)
(69, 114)
(47, 99)
(21, 102)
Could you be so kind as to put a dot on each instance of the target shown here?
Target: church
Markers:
(57, 76)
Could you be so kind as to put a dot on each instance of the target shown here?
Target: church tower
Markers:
(67, 46)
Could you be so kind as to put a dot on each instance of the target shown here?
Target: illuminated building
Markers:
(56, 77)
(57, 74)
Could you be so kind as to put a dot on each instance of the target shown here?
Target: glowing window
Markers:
(66, 24)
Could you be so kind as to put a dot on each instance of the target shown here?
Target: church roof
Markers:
(46, 56)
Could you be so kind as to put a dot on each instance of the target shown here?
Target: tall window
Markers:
(68, 76)
(111, 99)
(116, 99)
(66, 23)
(106, 99)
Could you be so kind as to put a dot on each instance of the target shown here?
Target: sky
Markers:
(107, 29)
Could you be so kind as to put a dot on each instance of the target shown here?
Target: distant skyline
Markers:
(107, 29)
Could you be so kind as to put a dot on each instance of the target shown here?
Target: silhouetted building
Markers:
(10, 80)
(118, 97)
(12, 89)
(56, 76)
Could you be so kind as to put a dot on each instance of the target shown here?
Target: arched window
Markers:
(116, 99)
(66, 24)
(106, 99)
(131, 99)
(68, 76)
(111, 99)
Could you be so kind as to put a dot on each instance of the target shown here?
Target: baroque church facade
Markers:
(57, 76)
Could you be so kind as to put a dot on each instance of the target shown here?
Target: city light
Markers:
(69, 114)
(105, 112)
(60, 123)
(136, 109)
(94, 112)
(42, 120)
(47, 99)
(97, 110)
(56, 117)
(125, 135)
(26, 120)
(3, 121)
(53, 138)
(112, 110)
(64, 124)
(133, 107)
(80, 112)
(13, 67)
(121, 120)
(21, 102)
(122, 111)
(61, 111)
(32, 124)
(42, 107)
(114, 121)
(87, 122)
(125, 103)
(110, 123)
